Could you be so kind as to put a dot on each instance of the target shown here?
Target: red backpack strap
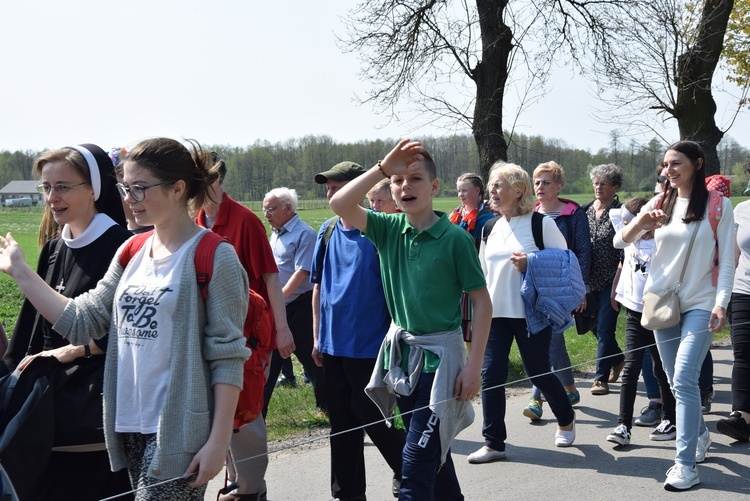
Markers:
(258, 327)
(714, 216)
(660, 202)
(204, 260)
(132, 246)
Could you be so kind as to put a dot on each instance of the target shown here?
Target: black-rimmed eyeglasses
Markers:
(137, 192)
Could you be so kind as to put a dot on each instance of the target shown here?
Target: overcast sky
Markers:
(222, 72)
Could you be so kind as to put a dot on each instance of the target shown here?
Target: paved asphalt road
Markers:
(592, 469)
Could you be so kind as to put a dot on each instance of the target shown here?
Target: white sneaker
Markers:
(566, 438)
(620, 435)
(681, 477)
(485, 455)
(701, 448)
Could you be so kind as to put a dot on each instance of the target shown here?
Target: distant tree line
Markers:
(254, 170)
(16, 166)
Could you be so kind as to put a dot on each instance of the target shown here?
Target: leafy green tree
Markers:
(737, 45)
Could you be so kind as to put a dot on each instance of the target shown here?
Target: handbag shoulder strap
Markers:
(687, 257)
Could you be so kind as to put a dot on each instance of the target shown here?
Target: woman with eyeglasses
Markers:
(684, 234)
(174, 363)
(117, 154)
(78, 186)
(607, 180)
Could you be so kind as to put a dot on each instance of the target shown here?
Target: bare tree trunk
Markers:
(490, 76)
(695, 108)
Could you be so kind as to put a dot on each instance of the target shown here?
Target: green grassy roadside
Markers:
(23, 224)
(292, 410)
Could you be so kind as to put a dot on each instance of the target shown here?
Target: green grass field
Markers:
(292, 410)
(23, 223)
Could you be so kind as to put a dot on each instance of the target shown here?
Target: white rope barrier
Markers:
(391, 418)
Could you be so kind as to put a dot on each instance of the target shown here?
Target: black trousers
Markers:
(741, 348)
(348, 409)
(299, 318)
(637, 338)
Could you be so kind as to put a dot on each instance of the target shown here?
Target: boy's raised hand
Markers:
(405, 153)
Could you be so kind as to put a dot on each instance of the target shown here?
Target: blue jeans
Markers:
(682, 349)
(652, 384)
(422, 478)
(608, 353)
(534, 351)
(559, 361)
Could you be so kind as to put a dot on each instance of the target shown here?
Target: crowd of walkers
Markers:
(390, 308)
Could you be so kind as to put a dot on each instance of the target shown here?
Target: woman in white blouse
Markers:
(504, 258)
(673, 217)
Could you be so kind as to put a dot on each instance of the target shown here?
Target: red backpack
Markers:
(258, 328)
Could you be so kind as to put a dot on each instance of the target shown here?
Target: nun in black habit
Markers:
(78, 185)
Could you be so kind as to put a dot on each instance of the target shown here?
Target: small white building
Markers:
(20, 190)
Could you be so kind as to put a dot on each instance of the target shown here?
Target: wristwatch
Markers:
(86, 351)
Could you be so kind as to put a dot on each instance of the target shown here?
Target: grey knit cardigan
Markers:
(205, 351)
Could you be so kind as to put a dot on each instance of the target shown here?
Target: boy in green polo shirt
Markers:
(426, 263)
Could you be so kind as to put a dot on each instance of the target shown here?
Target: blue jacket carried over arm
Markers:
(551, 288)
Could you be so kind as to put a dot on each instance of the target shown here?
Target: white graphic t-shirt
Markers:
(146, 301)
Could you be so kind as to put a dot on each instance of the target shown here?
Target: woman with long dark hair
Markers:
(677, 217)
(174, 364)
